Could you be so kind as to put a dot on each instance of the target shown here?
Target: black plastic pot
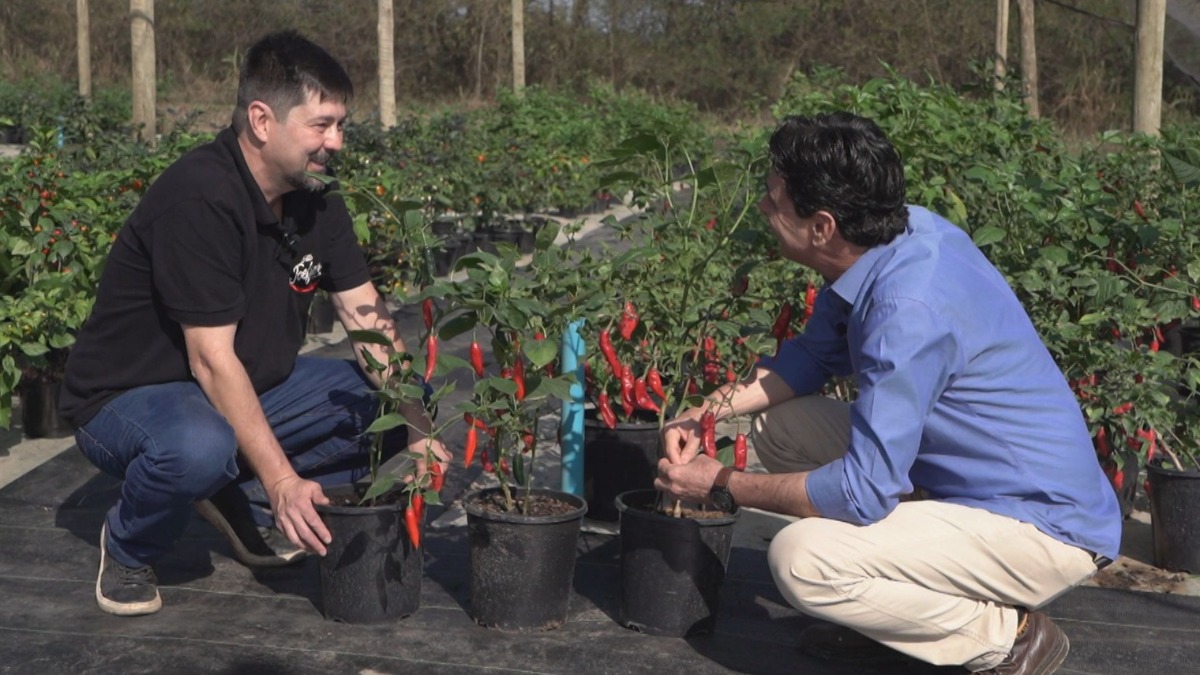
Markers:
(39, 409)
(371, 572)
(444, 257)
(522, 566)
(672, 569)
(321, 314)
(1175, 518)
(615, 461)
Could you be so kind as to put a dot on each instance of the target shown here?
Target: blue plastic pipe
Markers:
(572, 411)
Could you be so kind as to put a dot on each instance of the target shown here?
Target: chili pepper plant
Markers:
(516, 316)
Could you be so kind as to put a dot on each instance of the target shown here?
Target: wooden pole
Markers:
(387, 65)
(1029, 77)
(1001, 65)
(83, 47)
(1148, 68)
(518, 45)
(141, 26)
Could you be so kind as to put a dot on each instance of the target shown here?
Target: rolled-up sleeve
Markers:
(908, 356)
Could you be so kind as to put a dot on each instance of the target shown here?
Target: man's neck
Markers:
(271, 192)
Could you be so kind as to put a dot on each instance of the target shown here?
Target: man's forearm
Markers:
(784, 493)
(229, 390)
(762, 390)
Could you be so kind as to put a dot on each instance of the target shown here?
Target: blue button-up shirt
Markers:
(956, 393)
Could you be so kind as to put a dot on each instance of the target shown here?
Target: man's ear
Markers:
(824, 228)
(259, 119)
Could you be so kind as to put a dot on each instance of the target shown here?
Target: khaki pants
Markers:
(933, 580)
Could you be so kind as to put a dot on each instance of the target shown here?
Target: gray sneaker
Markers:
(253, 546)
(125, 591)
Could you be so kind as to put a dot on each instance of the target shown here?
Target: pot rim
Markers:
(356, 509)
(469, 505)
(1155, 468)
(622, 507)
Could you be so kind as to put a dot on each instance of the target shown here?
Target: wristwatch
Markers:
(719, 493)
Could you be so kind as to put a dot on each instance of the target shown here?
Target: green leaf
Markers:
(34, 348)
(1091, 319)
(21, 247)
(988, 235)
(386, 423)
(458, 325)
(380, 486)
(371, 337)
(1056, 254)
(559, 388)
(540, 352)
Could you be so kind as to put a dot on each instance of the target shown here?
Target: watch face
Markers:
(722, 499)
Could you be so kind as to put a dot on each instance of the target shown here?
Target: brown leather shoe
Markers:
(834, 642)
(1040, 650)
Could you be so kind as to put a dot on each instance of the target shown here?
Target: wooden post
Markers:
(1029, 77)
(1001, 65)
(387, 65)
(518, 45)
(1148, 69)
(141, 26)
(83, 47)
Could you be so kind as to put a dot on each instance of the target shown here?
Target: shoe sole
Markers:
(121, 608)
(1054, 661)
(209, 512)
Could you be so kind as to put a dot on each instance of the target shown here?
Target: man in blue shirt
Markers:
(957, 398)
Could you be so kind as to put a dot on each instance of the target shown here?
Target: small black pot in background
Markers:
(321, 314)
(38, 398)
(617, 460)
(522, 566)
(371, 572)
(1174, 517)
(672, 569)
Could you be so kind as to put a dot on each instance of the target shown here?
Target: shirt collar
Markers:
(263, 214)
(850, 284)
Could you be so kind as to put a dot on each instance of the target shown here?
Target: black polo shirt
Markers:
(203, 248)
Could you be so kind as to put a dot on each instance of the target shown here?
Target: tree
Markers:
(141, 26)
(1148, 69)
(387, 64)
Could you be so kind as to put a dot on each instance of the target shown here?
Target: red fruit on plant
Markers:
(1139, 209)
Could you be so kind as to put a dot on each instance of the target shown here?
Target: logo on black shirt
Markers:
(305, 275)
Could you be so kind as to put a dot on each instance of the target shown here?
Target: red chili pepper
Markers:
(518, 376)
(642, 397)
(1139, 210)
(528, 440)
(487, 463)
(708, 434)
(628, 322)
(655, 381)
(427, 313)
(413, 524)
(780, 329)
(436, 478)
(431, 354)
(477, 359)
(1102, 446)
(472, 443)
(810, 301)
(692, 388)
(1123, 408)
(1118, 479)
(739, 453)
(1196, 302)
(628, 402)
(606, 411)
(730, 375)
(610, 353)
(418, 504)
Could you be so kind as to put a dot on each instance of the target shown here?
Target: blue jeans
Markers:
(172, 448)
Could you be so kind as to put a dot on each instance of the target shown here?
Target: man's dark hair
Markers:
(282, 69)
(844, 164)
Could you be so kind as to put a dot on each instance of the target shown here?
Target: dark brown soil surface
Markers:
(539, 505)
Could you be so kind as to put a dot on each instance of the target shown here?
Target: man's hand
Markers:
(681, 437)
(688, 482)
(436, 447)
(292, 502)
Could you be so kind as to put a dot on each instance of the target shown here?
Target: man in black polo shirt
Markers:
(188, 367)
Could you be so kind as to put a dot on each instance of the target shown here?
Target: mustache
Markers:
(321, 157)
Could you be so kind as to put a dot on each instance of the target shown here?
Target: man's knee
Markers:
(801, 558)
(197, 455)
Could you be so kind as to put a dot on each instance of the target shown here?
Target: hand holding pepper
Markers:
(682, 435)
